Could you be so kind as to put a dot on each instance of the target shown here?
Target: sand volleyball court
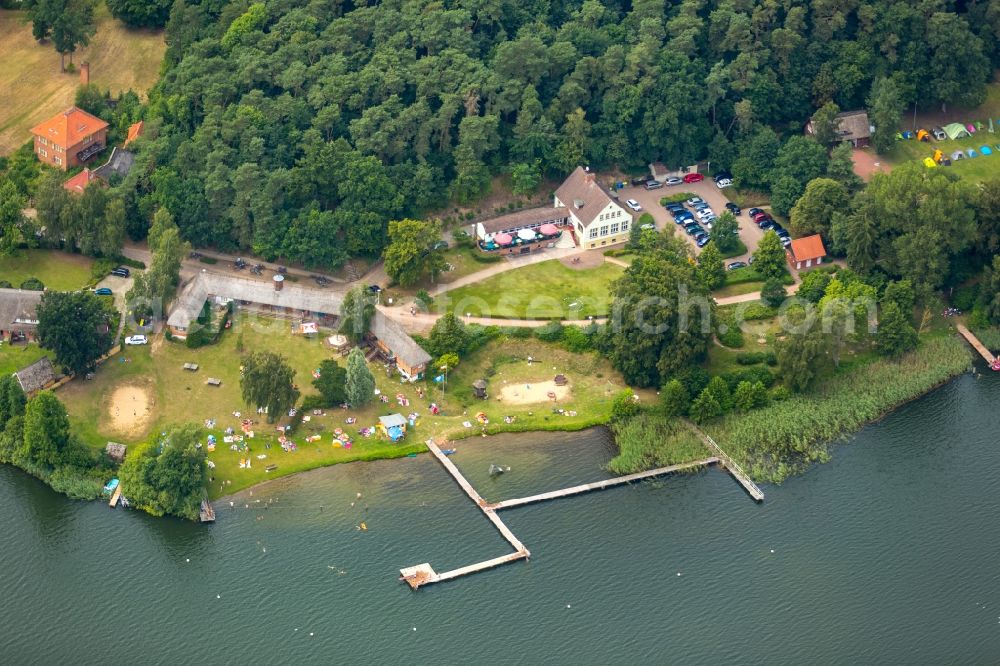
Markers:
(130, 409)
(526, 394)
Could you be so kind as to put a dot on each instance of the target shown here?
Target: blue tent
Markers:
(986, 150)
(971, 152)
(396, 433)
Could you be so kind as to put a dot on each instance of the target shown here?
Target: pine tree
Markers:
(360, 383)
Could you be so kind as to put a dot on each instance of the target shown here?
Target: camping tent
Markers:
(971, 128)
(971, 152)
(938, 155)
(986, 150)
(928, 162)
(955, 131)
(923, 135)
(958, 155)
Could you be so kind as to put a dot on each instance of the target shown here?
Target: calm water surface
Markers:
(886, 555)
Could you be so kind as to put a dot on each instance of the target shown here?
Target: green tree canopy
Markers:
(895, 334)
(331, 383)
(76, 327)
(800, 355)
(449, 335)
(769, 259)
(268, 381)
(46, 430)
(356, 312)
(711, 271)
(411, 254)
(169, 475)
(814, 210)
(360, 384)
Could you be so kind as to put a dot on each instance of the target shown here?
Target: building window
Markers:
(614, 228)
(43, 152)
(593, 232)
(604, 230)
(625, 225)
(57, 159)
(42, 140)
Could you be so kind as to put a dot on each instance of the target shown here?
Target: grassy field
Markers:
(60, 271)
(540, 291)
(15, 357)
(177, 395)
(738, 289)
(32, 88)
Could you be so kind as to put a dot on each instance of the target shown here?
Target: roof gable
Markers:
(78, 183)
(583, 195)
(134, 132)
(810, 247)
(68, 128)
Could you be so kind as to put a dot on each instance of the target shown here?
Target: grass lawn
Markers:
(738, 289)
(539, 291)
(738, 249)
(178, 396)
(60, 271)
(15, 357)
(34, 89)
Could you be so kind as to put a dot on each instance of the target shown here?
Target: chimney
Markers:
(589, 175)
(84, 73)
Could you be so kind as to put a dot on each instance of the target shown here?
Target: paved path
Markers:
(753, 296)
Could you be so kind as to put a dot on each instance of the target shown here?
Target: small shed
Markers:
(392, 426)
(115, 451)
(806, 252)
(560, 380)
(479, 389)
(36, 376)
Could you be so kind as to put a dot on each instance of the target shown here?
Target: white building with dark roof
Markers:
(594, 213)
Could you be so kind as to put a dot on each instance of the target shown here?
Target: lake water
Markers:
(886, 555)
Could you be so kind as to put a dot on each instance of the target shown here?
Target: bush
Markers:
(753, 358)
(964, 297)
(101, 268)
(551, 332)
(516, 332)
(576, 340)
(729, 333)
(624, 405)
(131, 263)
(4, 284)
(677, 198)
(485, 258)
(735, 251)
(33, 284)
(424, 298)
(773, 293)
(757, 311)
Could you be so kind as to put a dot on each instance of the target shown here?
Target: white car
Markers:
(648, 227)
(723, 183)
(673, 180)
(136, 340)
(634, 205)
(693, 201)
(704, 214)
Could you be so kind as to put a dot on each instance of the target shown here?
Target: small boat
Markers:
(496, 470)
(448, 452)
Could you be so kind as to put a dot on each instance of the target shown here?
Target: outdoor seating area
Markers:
(523, 237)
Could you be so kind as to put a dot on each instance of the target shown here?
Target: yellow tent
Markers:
(923, 135)
(938, 156)
(928, 162)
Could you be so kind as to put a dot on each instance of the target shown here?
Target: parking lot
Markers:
(706, 189)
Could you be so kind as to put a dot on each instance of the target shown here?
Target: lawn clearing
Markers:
(59, 271)
(15, 357)
(32, 87)
(546, 290)
(738, 289)
(149, 388)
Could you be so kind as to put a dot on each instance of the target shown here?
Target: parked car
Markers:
(723, 183)
(640, 181)
(708, 221)
(121, 271)
(704, 213)
(633, 204)
(767, 225)
(782, 233)
(673, 180)
(103, 291)
(440, 245)
(759, 215)
(649, 226)
(702, 241)
(693, 178)
(701, 206)
(786, 240)
(733, 208)
(653, 185)
(752, 212)
(374, 288)
(722, 175)
(693, 229)
(736, 264)
(694, 200)
(684, 219)
(136, 340)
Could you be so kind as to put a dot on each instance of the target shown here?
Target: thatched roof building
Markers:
(36, 376)
(17, 310)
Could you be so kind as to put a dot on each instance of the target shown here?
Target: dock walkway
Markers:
(601, 485)
(737, 472)
(976, 344)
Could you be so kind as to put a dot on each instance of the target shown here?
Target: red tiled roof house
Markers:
(806, 252)
(78, 183)
(70, 138)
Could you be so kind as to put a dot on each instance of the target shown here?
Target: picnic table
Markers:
(191, 366)
(212, 381)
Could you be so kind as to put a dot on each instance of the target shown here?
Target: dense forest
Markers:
(300, 128)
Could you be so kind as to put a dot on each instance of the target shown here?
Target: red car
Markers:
(762, 215)
(693, 178)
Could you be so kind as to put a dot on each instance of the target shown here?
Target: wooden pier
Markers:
(115, 495)
(424, 574)
(735, 470)
(207, 513)
(601, 485)
(977, 345)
